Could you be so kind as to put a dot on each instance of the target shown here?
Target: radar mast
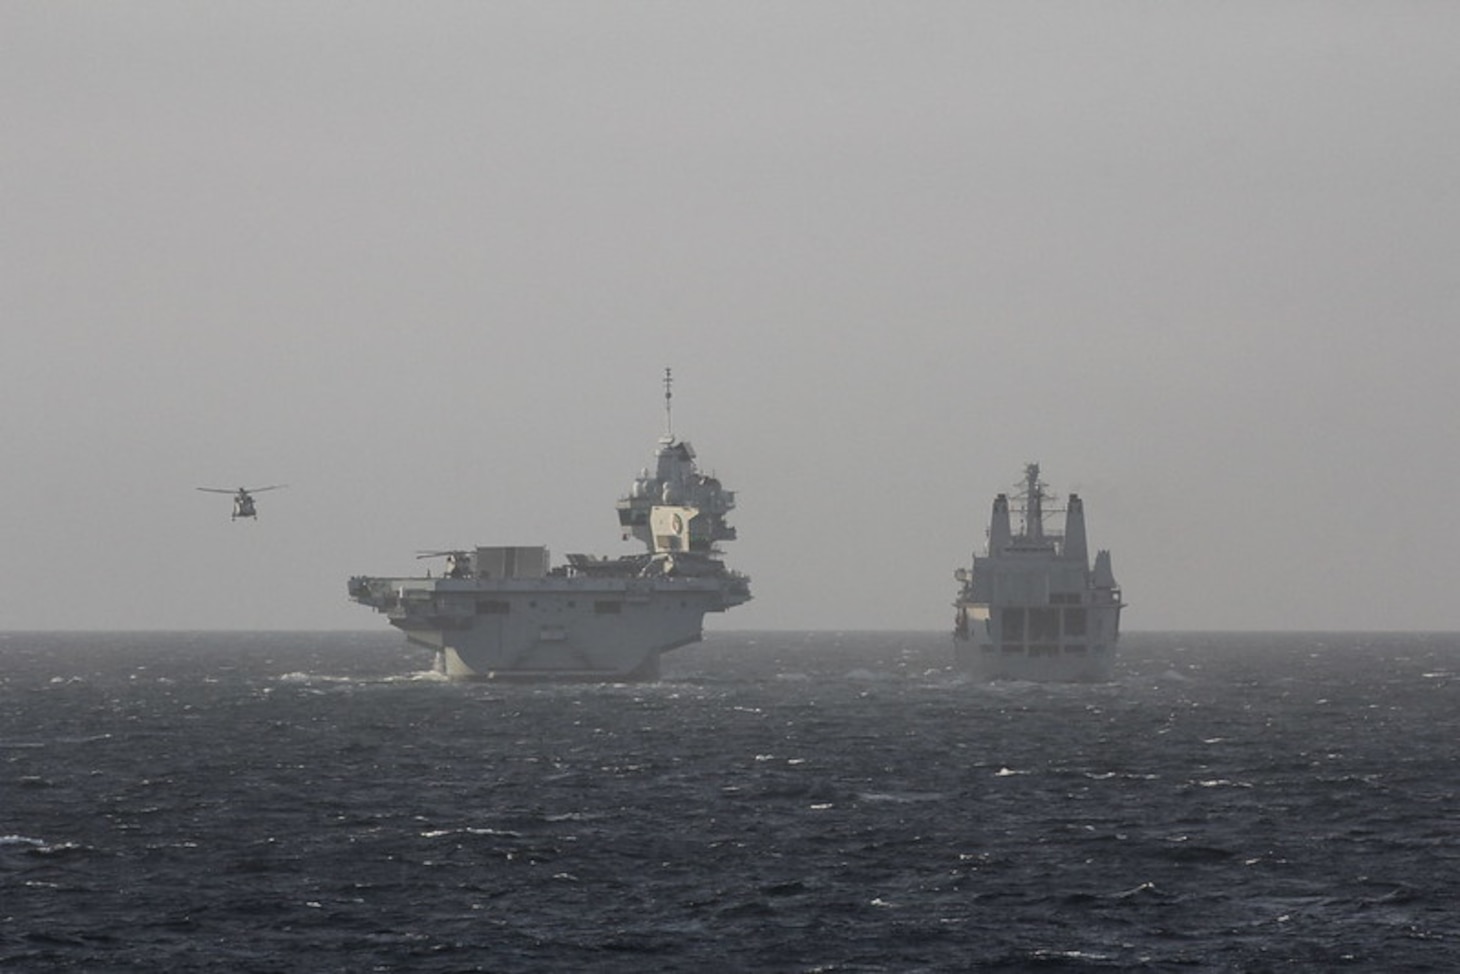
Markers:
(691, 506)
(1033, 503)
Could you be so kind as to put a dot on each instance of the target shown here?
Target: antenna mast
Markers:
(668, 405)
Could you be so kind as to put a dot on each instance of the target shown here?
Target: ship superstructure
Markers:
(507, 613)
(1033, 607)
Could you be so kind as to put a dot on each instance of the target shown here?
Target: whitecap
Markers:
(301, 677)
(866, 675)
(1136, 890)
(901, 797)
(1075, 955)
(441, 833)
(420, 676)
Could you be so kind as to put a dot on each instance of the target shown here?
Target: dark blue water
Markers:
(785, 802)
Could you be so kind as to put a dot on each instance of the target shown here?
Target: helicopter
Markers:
(243, 503)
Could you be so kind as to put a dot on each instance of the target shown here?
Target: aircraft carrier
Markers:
(506, 613)
(1033, 607)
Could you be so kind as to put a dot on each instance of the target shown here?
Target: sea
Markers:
(801, 802)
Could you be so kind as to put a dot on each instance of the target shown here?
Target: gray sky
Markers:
(426, 262)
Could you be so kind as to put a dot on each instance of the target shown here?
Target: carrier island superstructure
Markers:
(1033, 607)
(506, 613)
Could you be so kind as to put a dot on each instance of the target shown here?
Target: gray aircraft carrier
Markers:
(507, 613)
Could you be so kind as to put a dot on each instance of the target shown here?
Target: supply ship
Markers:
(504, 613)
(1033, 608)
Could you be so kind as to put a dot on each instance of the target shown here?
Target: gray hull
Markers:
(1005, 646)
(552, 628)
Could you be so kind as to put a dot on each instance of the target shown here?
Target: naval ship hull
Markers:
(552, 628)
(1039, 643)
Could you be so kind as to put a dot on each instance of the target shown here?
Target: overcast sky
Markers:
(425, 263)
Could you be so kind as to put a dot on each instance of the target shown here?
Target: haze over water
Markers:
(425, 265)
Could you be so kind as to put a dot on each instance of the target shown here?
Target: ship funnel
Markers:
(1074, 547)
(999, 532)
(1104, 577)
